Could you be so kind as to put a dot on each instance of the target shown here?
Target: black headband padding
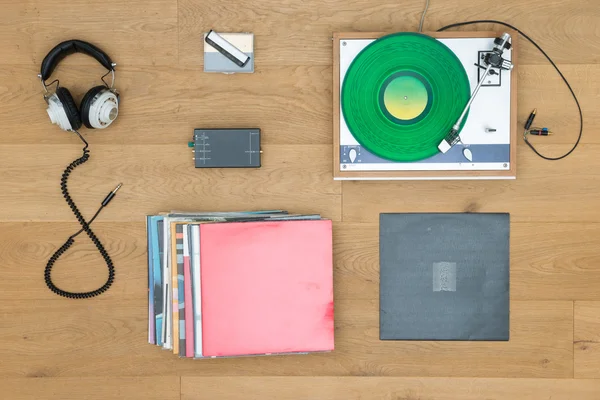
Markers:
(69, 47)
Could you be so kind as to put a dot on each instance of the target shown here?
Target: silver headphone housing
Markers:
(104, 109)
(56, 112)
(102, 112)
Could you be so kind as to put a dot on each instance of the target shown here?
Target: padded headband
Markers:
(70, 47)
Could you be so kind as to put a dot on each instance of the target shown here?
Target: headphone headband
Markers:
(69, 47)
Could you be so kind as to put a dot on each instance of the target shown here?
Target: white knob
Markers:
(352, 154)
(468, 154)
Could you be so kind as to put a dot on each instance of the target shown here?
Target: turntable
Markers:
(398, 99)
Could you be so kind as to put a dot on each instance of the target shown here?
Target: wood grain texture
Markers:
(300, 32)
(163, 105)
(162, 178)
(564, 191)
(291, 388)
(291, 104)
(586, 347)
(134, 32)
(562, 263)
(540, 345)
(54, 348)
(80, 269)
(60, 337)
(548, 261)
(151, 388)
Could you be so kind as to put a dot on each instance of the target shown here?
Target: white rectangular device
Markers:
(487, 149)
(229, 53)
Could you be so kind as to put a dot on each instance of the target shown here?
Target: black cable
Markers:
(85, 227)
(89, 222)
(491, 21)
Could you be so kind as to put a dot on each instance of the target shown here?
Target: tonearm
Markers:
(491, 60)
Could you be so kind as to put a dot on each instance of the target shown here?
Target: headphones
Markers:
(100, 105)
(99, 108)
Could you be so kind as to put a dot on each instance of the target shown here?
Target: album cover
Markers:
(444, 276)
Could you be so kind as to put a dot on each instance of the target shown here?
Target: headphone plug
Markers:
(110, 196)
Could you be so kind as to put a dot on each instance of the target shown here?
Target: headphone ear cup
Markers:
(92, 110)
(69, 106)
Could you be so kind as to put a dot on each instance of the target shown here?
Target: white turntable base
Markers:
(491, 110)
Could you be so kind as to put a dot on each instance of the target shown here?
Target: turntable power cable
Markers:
(491, 21)
(85, 227)
(423, 15)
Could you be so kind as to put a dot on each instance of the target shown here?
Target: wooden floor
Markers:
(53, 348)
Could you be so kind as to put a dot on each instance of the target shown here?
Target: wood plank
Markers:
(300, 32)
(555, 261)
(92, 338)
(543, 192)
(550, 261)
(26, 248)
(59, 337)
(132, 33)
(131, 388)
(162, 105)
(557, 38)
(163, 178)
(62, 349)
(541, 87)
(586, 345)
(540, 345)
(350, 388)
(291, 104)
(561, 264)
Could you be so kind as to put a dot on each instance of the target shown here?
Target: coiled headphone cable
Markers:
(85, 227)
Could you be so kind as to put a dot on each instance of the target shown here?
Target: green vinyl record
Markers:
(402, 94)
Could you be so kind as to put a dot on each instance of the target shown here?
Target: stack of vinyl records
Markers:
(240, 283)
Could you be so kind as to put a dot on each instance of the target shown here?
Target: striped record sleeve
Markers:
(180, 287)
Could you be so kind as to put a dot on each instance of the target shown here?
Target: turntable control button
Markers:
(352, 154)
